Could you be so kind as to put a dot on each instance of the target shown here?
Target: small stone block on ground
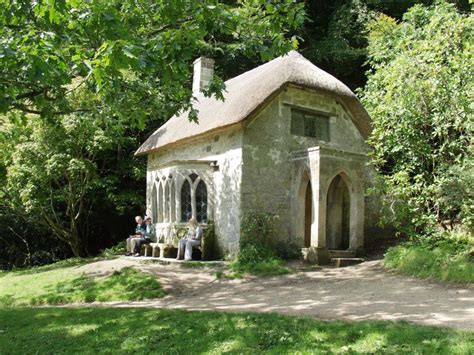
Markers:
(341, 262)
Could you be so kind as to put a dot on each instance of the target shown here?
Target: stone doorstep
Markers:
(336, 253)
(341, 262)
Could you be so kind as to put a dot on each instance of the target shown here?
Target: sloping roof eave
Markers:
(249, 92)
(187, 139)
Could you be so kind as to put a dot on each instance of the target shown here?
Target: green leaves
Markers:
(135, 58)
(418, 96)
(79, 80)
(58, 171)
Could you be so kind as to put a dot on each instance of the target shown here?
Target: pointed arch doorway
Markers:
(338, 216)
(305, 210)
(308, 214)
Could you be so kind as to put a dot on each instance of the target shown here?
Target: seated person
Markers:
(192, 239)
(147, 237)
(139, 232)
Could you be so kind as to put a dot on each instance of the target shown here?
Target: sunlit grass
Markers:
(446, 259)
(71, 262)
(143, 330)
(68, 285)
(269, 267)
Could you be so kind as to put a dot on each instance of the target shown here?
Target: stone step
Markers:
(341, 262)
(335, 253)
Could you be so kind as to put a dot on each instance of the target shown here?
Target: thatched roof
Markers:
(246, 92)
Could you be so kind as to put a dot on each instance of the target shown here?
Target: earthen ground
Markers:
(361, 292)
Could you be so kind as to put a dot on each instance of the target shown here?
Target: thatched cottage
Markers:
(289, 139)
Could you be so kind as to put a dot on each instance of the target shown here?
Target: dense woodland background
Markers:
(83, 88)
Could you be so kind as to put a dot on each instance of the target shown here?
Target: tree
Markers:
(334, 36)
(82, 82)
(335, 40)
(419, 94)
(134, 56)
(54, 174)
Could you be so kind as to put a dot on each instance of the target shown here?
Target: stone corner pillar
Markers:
(318, 227)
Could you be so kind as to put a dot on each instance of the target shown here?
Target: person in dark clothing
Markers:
(147, 237)
(140, 230)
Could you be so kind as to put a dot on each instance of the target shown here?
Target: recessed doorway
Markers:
(338, 215)
(308, 215)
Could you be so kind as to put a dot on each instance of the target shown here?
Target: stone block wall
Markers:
(217, 159)
(270, 175)
(259, 165)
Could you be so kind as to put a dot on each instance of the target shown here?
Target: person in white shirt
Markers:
(192, 239)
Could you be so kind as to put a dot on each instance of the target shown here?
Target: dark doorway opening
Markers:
(338, 215)
(308, 215)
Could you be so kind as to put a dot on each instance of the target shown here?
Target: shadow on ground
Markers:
(112, 330)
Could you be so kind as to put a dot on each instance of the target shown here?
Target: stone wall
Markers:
(217, 160)
(271, 175)
(262, 166)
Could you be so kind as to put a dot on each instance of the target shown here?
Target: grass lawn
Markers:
(63, 283)
(126, 330)
(443, 258)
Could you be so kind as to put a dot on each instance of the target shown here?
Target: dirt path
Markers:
(360, 292)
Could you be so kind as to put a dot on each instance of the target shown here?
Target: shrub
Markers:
(255, 238)
(210, 248)
(447, 256)
(455, 194)
(117, 249)
(25, 243)
(257, 253)
(288, 251)
(419, 94)
(256, 229)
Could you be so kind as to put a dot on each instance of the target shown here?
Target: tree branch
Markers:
(169, 25)
(23, 108)
(30, 94)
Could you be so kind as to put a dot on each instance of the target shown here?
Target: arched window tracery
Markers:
(166, 206)
(186, 202)
(160, 204)
(201, 202)
(173, 202)
(154, 204)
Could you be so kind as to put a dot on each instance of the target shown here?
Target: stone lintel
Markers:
(329, 152)
(184, 162)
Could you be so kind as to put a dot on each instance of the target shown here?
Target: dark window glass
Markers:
(186, 209)
(154, 204)
(297, 123)
(201, 202)
(160, 204)
(193, 177)
(309, 125)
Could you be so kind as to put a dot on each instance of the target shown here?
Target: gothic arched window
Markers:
(172, 203)
(201, 202)
(166, 208)
(186, 207)
(154, 207)
(160, 204)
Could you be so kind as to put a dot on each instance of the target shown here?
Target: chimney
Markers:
(203, 72)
